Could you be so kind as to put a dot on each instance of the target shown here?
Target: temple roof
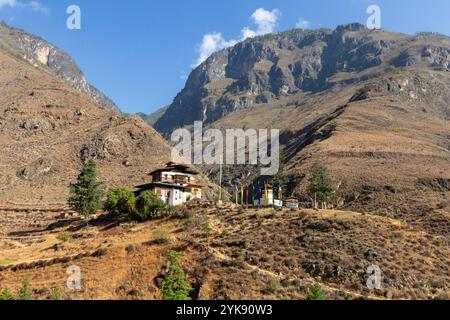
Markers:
(171, 166)
(162, 185)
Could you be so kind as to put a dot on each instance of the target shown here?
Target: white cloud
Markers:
(7, 3)
(264, 22)
(38, 7)
(302, 23)
(248, 33)
(33, 5)
(212, 42)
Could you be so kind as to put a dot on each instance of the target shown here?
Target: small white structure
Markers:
(268, 199)
(278, 203)
(292, 203)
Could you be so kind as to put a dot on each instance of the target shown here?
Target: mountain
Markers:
(382, 130)
(373, 105)
(42, 54)
(153, 117)
(48, 129)
(267, 68)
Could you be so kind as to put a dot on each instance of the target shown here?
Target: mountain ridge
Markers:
(48, 129)
(151, 118)
(372, 105)
(41, 53)
(267, 67)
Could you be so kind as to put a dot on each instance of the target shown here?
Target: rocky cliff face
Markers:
(154, 116)
(270, 67)
(372, 105)
(42, 54)
(48, 129)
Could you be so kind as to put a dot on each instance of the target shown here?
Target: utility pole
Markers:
(220, 184)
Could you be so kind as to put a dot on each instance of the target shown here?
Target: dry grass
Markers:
(241, 254)
(40, 116)
(332, 247)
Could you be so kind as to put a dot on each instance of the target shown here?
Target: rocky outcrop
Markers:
(48, 129)
(42, 54)
(259, 70)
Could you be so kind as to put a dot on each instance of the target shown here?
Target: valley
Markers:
(371, 106)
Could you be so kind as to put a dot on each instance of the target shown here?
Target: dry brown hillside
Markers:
(388, 150)
(48, 128)
(373, 105)
(228, 254)
(385, 142)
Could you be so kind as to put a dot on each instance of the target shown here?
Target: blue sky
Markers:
(139, 52)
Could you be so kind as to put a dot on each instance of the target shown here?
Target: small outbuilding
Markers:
(292, 203)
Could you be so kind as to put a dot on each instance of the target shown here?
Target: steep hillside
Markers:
(264, 69)
(385, 142)
(387, 149)
(242, 254)
(152, 118)
(40, 53)
(372, 105)
(48, 128)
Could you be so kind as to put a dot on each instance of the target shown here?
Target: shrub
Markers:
(86, 193)
(439, 242)
(183, 212)
(443, 296)
(316, 293)
(259, 221)
(197, 222)
(171, 211)
(6, 295)
(64, 236)
(161, 236)
(175, 286)
(5, 262)
(25, 291)
(302, 215)
(56, 293)
(273, 286)
(120, 200)
(206, 224)
(148, 206)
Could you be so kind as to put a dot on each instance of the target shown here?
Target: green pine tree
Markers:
(321, 187)
(175, 286)
(6, 295)
(25, 292)
(316, 293)
(85, 195)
